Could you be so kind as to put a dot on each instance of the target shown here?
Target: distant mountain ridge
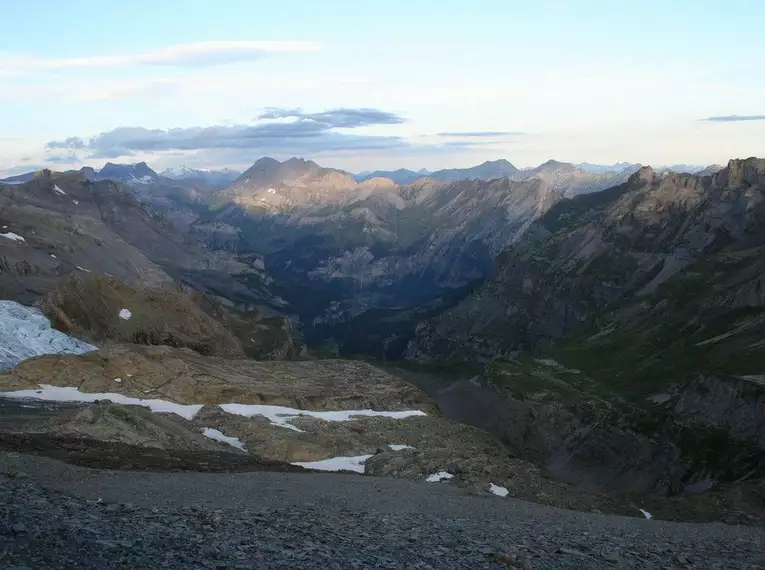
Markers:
(489, 170)
(212, 177)
(400, 176)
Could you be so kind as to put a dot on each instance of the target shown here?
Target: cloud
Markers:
(469, 143)
(338, 118)
(72, 142)
(302, 133)
(203, 54)
(483, 134)
(734, 118)
(68, 158)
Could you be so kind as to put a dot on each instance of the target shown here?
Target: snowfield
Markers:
(282, 415)
(50, 393)
(223, 438)
(438, 477)
(354, 463)
(12, 236)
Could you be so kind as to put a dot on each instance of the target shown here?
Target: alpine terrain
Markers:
(531, 336)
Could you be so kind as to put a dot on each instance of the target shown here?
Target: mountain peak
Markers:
(489, 170)
(270, 172)
(645, 175)
(266, 161)
(553, 164)
(138, 173)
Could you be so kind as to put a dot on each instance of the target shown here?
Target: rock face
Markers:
(63, 224)
(104, 309)
(70, 224)
(651, 292)
(615, 247)
(25, 333)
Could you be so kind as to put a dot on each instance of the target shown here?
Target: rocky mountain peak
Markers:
(552, 165)
(269, 171)
(741, 173)
(138, 173)
(645, 175)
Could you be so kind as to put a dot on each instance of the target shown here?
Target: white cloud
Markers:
(184, 55)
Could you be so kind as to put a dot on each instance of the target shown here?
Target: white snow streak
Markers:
(355, 463)
(440, 476)
(282, 415)
(57, 394)
(12, 236)
(83, 269)
(399, 446)
(220, 436)
(125, 314)
(59, 190)
(646, 514)
(497, 490)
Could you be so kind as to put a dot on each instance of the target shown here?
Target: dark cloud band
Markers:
(300, 133)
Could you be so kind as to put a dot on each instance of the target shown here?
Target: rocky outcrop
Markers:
(210, 397)
(104, 309)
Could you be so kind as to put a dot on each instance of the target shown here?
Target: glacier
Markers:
(25, 332)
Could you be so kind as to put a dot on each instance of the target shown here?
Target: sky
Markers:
(367, 85)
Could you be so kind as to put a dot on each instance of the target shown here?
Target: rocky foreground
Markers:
(54, 515)
(144, 407)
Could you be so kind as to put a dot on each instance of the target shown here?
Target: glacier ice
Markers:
(25, 332)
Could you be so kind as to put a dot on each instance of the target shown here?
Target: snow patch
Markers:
(646, 514)
(355, 463)
(58, 190)
(50, 393)
(76, 202)
(497, 490)
(83, 269)
(125, 314)
(12, 236)
(53, 256)
(146, 179)
(399, 446)
(440, 476)
(220, 436)
(25, 332)
(282, 415)
(118, 380)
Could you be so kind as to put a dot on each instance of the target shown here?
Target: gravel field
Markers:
(55, 515)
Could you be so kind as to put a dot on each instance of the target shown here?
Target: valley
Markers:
(582, 339)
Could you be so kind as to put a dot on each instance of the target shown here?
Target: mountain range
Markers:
(602, 324)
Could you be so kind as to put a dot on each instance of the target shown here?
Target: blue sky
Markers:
(363, 85)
